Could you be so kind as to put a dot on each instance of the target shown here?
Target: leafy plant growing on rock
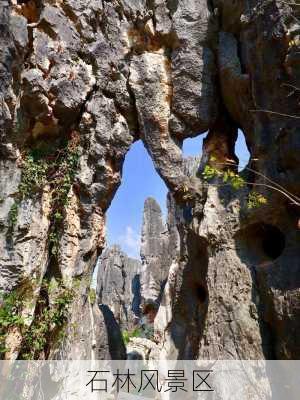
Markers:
(56, 167)
(142, 332)
(127, 335)
(34, 175)
(229, 177)
(10, 308)
(52, 310)
(51, 314)
(62, 180)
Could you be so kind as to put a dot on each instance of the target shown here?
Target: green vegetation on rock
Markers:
(127, 335)
(229, 177)
(52, 165)
(50, 316)
(10, 309)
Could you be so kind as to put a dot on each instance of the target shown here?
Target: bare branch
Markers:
(289, 4)
(296, 198)
(277, 190)
(276, 113)
(291, 86)
(273, 186)
(260, 184)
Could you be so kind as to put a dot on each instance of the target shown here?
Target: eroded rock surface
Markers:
(156, 255)
(118, 286)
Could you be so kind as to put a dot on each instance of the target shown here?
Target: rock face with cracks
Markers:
(157, 251)
(80, 81)
(118, 286)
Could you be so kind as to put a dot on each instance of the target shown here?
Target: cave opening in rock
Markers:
(124, 216)
(273, 241)
(139, 181)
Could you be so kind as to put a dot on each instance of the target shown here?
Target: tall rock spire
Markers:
(118, 285)
(154, 255)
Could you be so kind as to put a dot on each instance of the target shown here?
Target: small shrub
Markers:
(50, 318)
(34, 176)
(256, 200)
(53, 165)
(51, 314)
(228, 176)
(127, 335)
(235, 181)
(9, 316)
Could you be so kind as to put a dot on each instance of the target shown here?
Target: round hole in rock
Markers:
(259, 243)
(273, 241)
(201, 293)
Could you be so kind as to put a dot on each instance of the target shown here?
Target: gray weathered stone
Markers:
(154, 254)
(118, 286)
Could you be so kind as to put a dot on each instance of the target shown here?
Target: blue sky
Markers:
(140, 180)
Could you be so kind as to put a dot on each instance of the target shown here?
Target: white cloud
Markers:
(130, 242)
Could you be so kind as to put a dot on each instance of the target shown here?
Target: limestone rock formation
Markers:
(155, 255)
(142, 349)
(131, 291)
(80, 81)
(118, 286)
